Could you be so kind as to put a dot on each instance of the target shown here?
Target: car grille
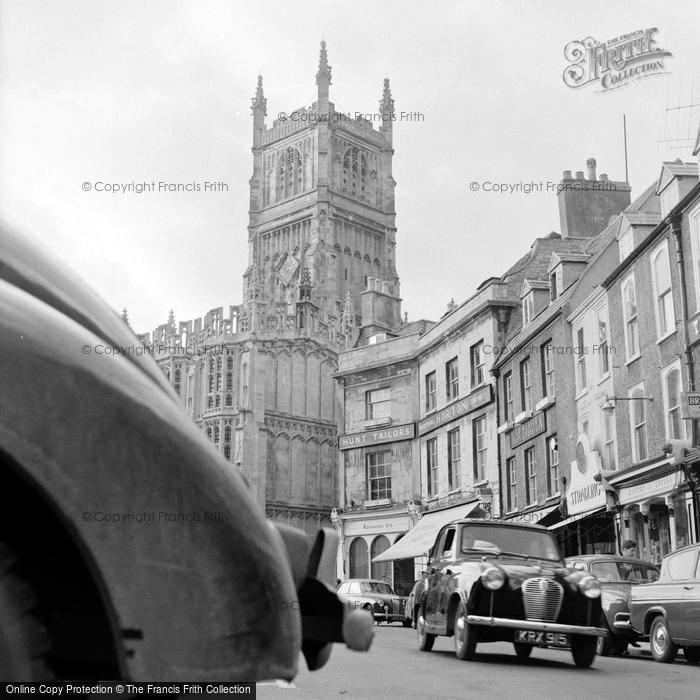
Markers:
(542, 599)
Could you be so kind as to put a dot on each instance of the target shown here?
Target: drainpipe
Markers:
(689, 361)
(496, 374)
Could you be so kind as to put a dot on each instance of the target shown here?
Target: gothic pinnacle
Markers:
(386, 105)
(324, 70)
(259, 101)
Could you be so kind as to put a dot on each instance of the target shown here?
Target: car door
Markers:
(432, 599)
(691, 604)
(446, 567)
(681, 567)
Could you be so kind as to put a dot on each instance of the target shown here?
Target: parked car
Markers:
(141, 555)
(410, 608)
(669, 609)
(494, 581)
(377, 597)
(617, 576)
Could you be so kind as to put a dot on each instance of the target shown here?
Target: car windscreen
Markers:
(495, 539)
(622, 571)
(376, 587)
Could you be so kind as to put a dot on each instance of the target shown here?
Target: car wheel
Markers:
(464, 633)
(583, 649)
(24, 643)
(662, 647)
(425, 639)
(604, 645)
(692, 654)
(522, 651)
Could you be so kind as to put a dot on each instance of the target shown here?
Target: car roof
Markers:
(610, 557)
(493, 521)
(365, 580)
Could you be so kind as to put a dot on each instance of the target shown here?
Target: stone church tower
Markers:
(321, 271)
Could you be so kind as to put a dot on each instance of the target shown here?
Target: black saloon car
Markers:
(617, 576)
(669, 609)
(494, 581)
(376, 597)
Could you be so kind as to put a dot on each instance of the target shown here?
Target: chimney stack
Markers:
(590, 165)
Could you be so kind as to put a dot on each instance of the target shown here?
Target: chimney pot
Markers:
(603, 177)
(385, 288)
(590, 165)
(579, 174)
(567, 175)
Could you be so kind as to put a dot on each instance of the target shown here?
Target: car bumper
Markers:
(536, 625)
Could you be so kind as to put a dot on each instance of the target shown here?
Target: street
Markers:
(395, 668)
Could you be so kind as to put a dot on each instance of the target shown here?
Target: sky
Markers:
(131, 92)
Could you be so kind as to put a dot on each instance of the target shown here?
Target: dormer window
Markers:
(626, 243)
(528, 308)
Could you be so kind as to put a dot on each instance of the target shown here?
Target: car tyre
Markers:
(464, 634)
(24, 643)
(583, 649)
(522, 651)
(662, 647)
(610, 645)
(425, 639)
(691, 654)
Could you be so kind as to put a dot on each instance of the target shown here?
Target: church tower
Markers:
(322, 201)
(259, 379)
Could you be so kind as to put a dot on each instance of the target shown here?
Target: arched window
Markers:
(229, 363)
(354, 180)
(209, 434)
(219, 362)
(359, 561)
(227, 433)
(673, 404)
(639, 425)
(381, 569)
(218, 400)
(217, 434)
(211, 383)
(290, 173)
(218, 381)
(229, 381)
(229, 400)
(178, 376)
(227, 451)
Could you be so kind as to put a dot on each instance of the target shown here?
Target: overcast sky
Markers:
(125, 92)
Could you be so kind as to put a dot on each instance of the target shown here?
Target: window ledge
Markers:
(581, 394)
(379, 423)
(378, 503)
(553, 497)
(522, 417)
(665, 337)
(546, 402)
(512, 512)
(632, 359)
(604, 378)
(505, 427)
(479, 484)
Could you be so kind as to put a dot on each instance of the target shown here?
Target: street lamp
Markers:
(608, 405)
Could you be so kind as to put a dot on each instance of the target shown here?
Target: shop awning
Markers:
(574, 518)
(533, 516)
(418, 541)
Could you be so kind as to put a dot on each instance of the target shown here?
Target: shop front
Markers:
(589, 527)
(656, 510)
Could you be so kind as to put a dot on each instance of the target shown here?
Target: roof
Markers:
(674, 169)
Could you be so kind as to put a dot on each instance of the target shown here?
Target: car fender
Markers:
(109, 445)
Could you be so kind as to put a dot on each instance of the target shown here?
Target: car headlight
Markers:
(589, 586)
(493, 578)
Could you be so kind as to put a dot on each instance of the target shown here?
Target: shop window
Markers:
(381, 570)
(359, 559)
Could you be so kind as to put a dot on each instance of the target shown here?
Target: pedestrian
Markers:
(629, 549)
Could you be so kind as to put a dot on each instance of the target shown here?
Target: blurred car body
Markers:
(376, 597)
(669, 609)
(617, 576)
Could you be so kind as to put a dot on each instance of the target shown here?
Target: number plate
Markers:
(552, 639)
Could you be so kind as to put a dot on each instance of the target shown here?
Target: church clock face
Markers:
(288, 268)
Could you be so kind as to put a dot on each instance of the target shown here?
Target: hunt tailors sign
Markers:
(614, 63)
